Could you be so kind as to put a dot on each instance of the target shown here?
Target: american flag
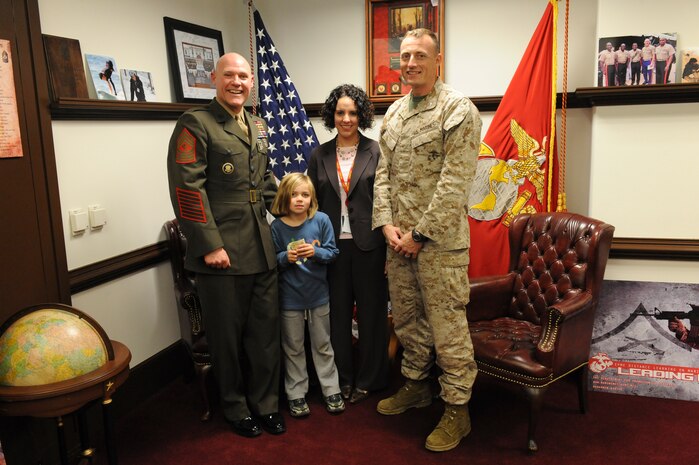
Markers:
(291, 135)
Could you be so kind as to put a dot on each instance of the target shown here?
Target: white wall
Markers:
(643, 157)
(121, 165)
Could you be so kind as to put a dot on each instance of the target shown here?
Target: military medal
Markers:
(260, 129)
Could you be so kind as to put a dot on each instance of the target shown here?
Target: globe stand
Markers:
(70, 396)
(54, 400)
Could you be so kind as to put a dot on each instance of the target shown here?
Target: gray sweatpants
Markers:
(293, 324)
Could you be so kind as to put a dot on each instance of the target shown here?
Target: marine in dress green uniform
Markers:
(221, 188)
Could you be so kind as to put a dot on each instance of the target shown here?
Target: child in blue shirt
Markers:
(305, 244)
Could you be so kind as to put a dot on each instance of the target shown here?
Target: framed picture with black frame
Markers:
(193, 52)
(387, 22)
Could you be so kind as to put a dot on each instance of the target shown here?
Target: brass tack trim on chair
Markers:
(549, 379)
(551, 332)
(511, 372)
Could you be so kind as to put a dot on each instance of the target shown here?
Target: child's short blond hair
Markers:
(280, 206)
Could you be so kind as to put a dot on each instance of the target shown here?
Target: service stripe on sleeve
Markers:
(191, 206)
(186, 148)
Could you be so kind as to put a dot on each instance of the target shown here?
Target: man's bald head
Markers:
(233, 80)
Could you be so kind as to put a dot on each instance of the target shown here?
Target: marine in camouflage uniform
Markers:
(429, 149)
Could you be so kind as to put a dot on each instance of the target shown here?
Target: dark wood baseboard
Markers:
(150, 376)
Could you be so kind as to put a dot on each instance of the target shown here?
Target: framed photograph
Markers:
(637, 59)
(193, 52)
(689, 63)
(105, 77)
(138, 85)
(387, 22)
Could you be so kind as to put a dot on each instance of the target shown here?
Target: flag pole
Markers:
(561, 202)
(554, 82)
(253, 96)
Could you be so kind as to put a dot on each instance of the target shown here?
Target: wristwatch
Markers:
(417, 237)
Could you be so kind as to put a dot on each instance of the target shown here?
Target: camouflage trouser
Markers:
(428, 298)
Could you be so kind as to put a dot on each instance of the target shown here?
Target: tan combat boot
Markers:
(454, 425)
(413, 394)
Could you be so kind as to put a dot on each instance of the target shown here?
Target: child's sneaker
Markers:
(299, 408)
(334, 403)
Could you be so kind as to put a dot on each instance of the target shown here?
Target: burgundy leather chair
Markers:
(533, 325)
(189, 310)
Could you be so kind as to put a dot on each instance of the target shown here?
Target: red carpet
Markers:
(617, 430)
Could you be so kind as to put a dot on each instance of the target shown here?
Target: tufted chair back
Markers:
(189, 311)
(533, 325)
(551, 255)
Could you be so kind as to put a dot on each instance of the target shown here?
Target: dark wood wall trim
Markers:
(583, 97)
(101, 272)
(151, 375)
(107, 270)
(655, 249)
(639, 95)
(90, 109)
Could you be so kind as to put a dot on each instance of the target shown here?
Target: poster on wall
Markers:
(637, 59)
(645, 340)
(10, 137)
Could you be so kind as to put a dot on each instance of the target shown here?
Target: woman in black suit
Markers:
(342, 171)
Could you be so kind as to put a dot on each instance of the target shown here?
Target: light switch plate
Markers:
(78, 221)
(98, 216)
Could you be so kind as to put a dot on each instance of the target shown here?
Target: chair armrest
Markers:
(490, 297)
(566, 331)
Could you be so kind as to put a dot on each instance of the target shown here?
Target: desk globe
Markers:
(47, 346)
(56, 360)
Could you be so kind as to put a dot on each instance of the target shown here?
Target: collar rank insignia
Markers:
(186, 148)
(227, 168)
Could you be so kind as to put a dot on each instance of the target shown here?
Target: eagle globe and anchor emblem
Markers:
(495, 193)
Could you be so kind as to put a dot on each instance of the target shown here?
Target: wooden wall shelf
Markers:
(92, 109)
(67, 108)
(584, 97)
(639, 95)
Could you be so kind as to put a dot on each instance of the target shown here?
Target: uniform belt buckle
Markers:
(253, 196)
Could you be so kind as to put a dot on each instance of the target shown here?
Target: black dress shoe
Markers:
(346, 391)
(273, 423)
(248, 427)
(358, 395)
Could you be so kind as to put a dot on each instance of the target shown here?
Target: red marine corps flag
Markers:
(517, 169)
